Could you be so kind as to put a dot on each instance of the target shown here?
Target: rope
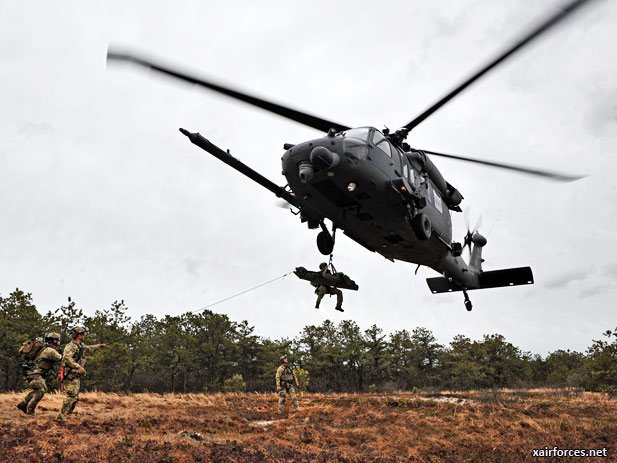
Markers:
(122, 340)
(241, 293)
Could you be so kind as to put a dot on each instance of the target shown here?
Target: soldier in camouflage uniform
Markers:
(73, 360)
(41, 369)
(286, 382)
(322, 290)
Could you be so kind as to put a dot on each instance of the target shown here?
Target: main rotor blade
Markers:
(537, 31)
(298, 116)
(525, 170)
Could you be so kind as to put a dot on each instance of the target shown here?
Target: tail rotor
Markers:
(467, 240)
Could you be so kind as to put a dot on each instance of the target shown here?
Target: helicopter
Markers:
(387, 196)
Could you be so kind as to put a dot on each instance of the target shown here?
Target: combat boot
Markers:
(23, 407)
(339, 308)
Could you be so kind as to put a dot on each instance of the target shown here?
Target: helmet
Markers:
(49, 337)
(283, 357)
(76, 330)
(322, 266)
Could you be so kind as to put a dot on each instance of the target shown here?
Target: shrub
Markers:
(303, 378)
(234, 384)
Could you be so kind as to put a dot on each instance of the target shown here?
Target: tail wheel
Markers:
(422, 226)
(468, 304)
(325, 243)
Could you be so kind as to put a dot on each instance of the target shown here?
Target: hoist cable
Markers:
(241, 293)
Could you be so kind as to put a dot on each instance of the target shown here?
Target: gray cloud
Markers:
(107, 201)
(31, 129)
(597, 290)
(192, 265)
(565, 279)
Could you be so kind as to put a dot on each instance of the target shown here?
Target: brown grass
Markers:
(478, 426)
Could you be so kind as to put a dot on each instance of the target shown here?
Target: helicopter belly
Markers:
(358, 197)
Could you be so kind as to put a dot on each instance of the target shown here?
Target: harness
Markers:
(287, 377)
(80, 354)
(77, 356)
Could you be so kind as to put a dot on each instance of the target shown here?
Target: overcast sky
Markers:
(102, 199)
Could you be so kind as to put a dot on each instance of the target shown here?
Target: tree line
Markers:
(208, 352)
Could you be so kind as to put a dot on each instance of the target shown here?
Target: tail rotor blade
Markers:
(466, 217)
(478, 224)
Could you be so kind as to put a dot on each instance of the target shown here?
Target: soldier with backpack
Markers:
(38, 362)
(72, 369)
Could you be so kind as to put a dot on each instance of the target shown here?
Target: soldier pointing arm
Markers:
(73, 360)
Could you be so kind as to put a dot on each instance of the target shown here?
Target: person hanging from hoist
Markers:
(327, 281)
(321, 290)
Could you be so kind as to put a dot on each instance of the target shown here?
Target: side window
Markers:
(437, 200)
(380, 142)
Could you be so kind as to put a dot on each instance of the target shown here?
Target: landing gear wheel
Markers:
(422, 226)
(325, 243)
(468, 304)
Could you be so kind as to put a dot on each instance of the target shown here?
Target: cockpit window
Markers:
(361, 133)
(381, 142)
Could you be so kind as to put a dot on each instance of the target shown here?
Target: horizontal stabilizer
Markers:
(493, 279)
(338, 280)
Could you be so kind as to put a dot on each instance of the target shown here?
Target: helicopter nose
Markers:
(324, 159)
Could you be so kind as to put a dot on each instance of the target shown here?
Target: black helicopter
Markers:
(383, 194)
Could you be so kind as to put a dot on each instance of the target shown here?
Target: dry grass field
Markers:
(481, 426)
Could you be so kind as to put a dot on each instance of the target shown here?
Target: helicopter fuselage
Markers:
(373, 191)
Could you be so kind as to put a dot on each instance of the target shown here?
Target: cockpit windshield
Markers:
(360, 133)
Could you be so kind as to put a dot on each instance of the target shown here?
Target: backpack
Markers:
(30, 349)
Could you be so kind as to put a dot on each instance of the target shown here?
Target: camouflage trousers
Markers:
(71, 389)
(323, 290)
(285, 390)
(36, 390)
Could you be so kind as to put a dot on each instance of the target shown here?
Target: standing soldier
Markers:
(73, 360)
(40, 369)
(285, 382)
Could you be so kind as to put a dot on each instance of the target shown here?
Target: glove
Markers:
(81, 371)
